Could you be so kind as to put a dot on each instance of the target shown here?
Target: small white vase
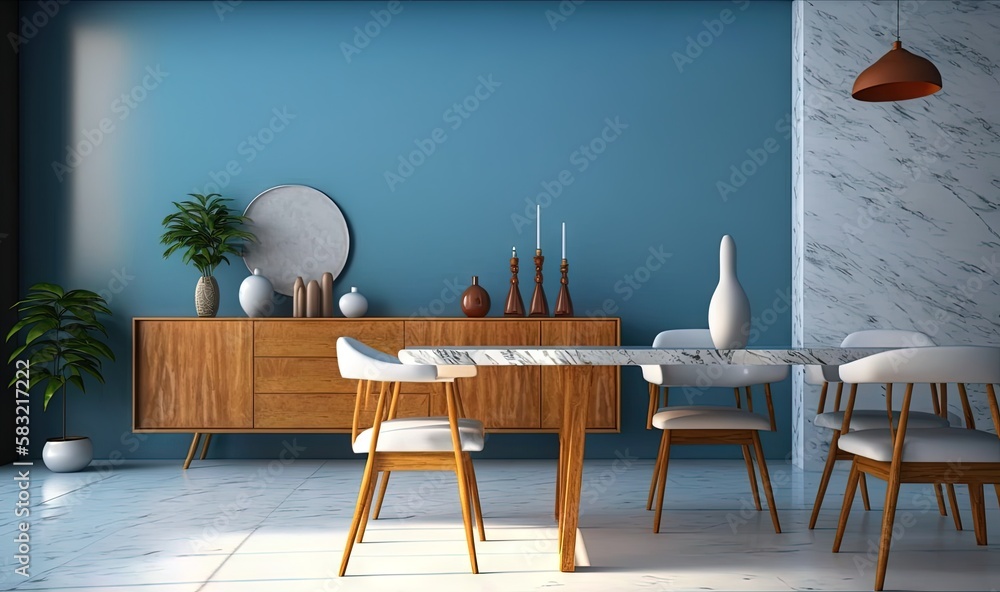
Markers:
(353, 304)
(256, 294)
(69, 455)
(729, 311)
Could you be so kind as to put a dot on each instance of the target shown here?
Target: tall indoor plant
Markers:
(207, 230)
(61, 344)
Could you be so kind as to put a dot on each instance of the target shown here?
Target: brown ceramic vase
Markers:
(475, 300)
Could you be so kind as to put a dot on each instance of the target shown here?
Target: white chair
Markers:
(421, 444)
(862, 419)
(705, 424)
(445, 374)
(932, 455)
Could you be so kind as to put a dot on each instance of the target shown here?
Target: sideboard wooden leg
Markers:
(204, 448)
(192, 450)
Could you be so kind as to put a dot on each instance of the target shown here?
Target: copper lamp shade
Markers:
(897, 76)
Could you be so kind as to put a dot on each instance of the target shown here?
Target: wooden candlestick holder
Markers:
(539, 305)
(564, 304)
(514, 306)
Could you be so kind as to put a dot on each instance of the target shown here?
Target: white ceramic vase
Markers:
(353, 304)
(69, 455)
(256, 294)
(729, 311)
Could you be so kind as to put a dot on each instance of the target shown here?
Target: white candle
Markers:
(538, 227)
(513, 251)
(564, 239)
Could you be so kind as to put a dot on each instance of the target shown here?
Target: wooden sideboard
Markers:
(235, 375)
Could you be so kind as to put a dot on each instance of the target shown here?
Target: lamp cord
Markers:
(897, 20)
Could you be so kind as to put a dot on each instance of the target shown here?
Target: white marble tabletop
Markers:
(630, 356)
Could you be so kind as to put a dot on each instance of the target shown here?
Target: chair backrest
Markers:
(358, 361)
(867, 338)
(937, 364)
(716, 375)
(887, 338)
(815, 374)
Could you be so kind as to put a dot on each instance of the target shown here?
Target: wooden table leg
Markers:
(572, 439)
(560, 464)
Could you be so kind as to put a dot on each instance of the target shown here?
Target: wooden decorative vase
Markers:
(514, 306)
(539, 304)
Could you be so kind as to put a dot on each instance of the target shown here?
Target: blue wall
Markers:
(694, 91)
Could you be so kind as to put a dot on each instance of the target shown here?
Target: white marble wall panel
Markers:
(798, 247)
(897, 219)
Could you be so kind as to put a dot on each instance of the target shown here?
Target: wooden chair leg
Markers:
(381, 494)
(752, 476)
(863, 483)
(204, 448)
(654, 399)
(192, 450)
(888, 517)
(352, 532)
(663, 461)
(463, 493)
(474, 489)
(766, 480)
(831, 459)
(978, 498)
(845, 510)
(940, 499)
(656, 474)
(366, 512)
(953, 502)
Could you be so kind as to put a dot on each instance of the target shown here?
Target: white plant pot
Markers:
(353, 304)
(729, 311)
(69, 455)
(256, 295)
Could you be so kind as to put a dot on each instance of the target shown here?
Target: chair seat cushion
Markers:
(422, 434)
(702, 417)
(867, 419)
(947, 445)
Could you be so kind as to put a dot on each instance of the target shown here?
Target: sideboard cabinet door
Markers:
(195, 374)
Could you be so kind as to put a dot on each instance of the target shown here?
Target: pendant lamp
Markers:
(897, 76)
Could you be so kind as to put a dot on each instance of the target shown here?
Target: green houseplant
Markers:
(61, 345)
(206, 231)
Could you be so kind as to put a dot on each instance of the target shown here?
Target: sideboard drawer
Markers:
(299, 375)
(309, 375)
(315, 338)
(323, 410)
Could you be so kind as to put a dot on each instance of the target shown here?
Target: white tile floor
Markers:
(261, 525)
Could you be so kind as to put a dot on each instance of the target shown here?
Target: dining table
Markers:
(572, 432)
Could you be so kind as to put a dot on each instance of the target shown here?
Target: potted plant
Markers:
(61, 345)
(207, 231)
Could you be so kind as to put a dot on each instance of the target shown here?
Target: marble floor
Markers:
(268, 525)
